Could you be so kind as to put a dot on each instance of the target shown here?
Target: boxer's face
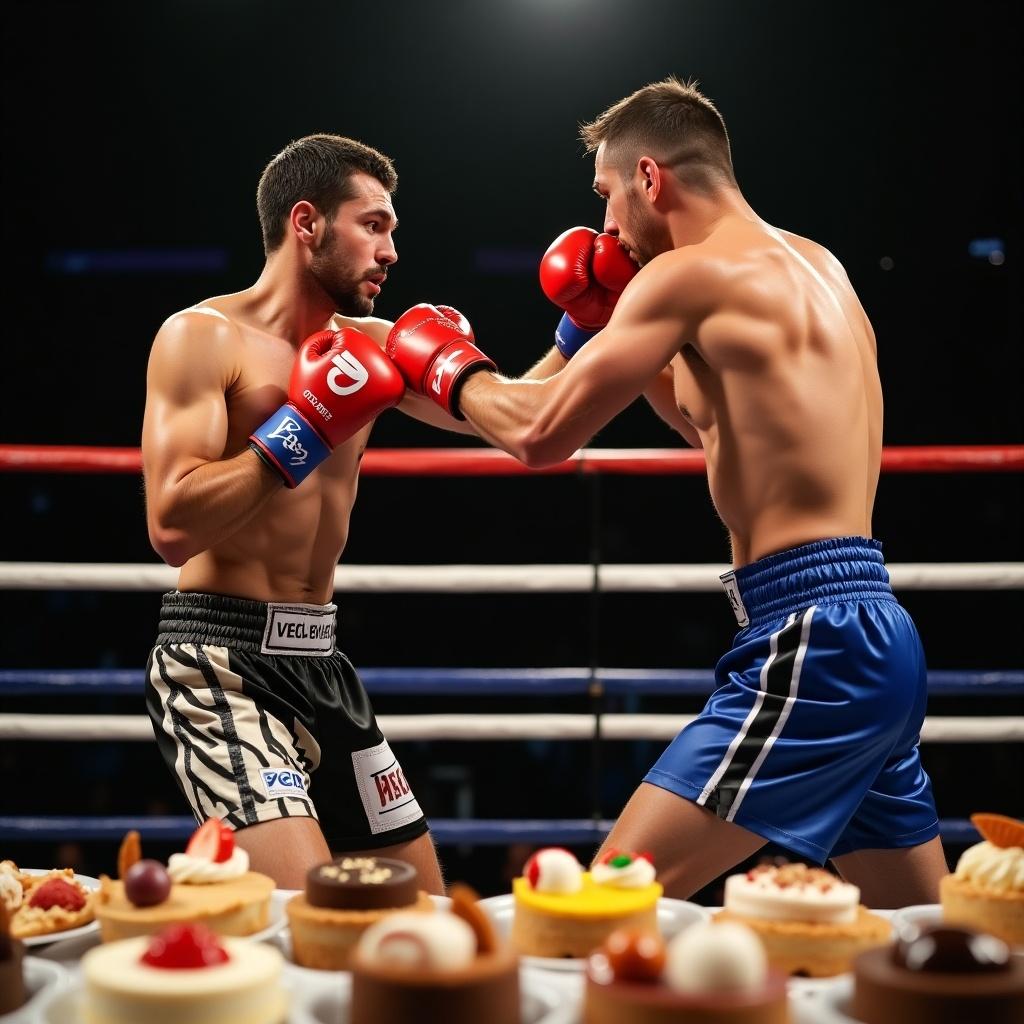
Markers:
(351, 261)
(628, 215)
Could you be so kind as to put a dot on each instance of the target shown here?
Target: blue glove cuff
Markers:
(290, 443)
(569, 338)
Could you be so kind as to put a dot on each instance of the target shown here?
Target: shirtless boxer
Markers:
(751, 342)
(260, 718)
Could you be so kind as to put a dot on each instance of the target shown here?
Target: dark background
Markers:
(134, 137)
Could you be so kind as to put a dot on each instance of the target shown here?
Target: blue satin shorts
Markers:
(811, 737)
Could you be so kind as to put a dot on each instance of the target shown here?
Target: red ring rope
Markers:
(996, 458)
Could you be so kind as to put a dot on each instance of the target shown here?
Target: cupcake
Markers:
(987, 889)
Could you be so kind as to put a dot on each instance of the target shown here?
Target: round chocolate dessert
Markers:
(342, 899)
(943, 975)
(443, 967)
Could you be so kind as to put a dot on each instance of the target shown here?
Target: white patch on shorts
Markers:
(299, 629)
(732, 591)
(278, 782)
(387, 798)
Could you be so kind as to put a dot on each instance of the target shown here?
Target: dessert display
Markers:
(343, 898)
(560, 910)
(711, 973)
(12, 978)
(987, 889)
(811, 922)
(943, 975)
(209, 883)
(44, 904)
(444, 966)
(184, 974)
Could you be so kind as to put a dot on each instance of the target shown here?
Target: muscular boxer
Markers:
(259, 405)
(752, 344)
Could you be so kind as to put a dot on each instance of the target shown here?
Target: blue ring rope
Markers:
(496, 682)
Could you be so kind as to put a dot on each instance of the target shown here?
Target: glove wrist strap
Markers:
(570, 337)
(290, 444)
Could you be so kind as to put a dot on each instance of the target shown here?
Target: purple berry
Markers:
(147, 883)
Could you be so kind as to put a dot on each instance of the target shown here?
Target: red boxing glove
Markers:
(433, 347)
(340, 381)
(584, 273)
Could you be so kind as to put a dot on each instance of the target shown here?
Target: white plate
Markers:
(90, 883)
(828, 1005)
(329, 1002)
(42, 980)
(673, 917)
(907, 920)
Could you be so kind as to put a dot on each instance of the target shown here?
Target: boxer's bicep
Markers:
(185, 423)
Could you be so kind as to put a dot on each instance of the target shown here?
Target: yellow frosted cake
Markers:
(563, 911)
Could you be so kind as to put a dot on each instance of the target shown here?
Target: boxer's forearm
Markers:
(547, 366)
(208, 504)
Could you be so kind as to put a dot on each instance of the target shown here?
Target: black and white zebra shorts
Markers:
(259, 717)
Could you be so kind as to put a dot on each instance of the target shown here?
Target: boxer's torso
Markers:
(289, 550)
(782, 386)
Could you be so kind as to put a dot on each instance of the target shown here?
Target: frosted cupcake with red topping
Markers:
(563, 911)
(184, 974)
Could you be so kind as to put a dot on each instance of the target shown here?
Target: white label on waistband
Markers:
(732, 591)
(387, 798)
(299, 629)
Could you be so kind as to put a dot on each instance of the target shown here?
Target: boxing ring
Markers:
(598, 685)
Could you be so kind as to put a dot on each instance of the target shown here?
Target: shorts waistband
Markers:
(823, 572)
(307, 630)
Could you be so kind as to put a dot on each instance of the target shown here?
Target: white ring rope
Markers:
(504, 579)
(941, 729)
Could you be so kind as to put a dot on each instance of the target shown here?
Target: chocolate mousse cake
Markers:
(440, 968)
(943, 975)
(12, 980)
(708, 974)
(342, 899)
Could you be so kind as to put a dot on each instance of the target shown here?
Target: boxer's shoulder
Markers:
(372, 326)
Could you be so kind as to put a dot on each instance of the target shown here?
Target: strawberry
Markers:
(213, 840)
(56, 892)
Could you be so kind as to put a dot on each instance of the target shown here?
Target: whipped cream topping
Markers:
(793, 892)
(437, 942)
(637, 874)
(1000, 868)
(710, 957)
(554, 870)
(10, 891)
(184, 868)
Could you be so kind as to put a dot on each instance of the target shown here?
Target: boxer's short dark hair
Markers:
(671, 121)
(317, 168)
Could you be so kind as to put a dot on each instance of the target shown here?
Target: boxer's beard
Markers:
(643, 234)
(338, 277)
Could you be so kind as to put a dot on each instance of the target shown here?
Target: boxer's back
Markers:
(783, 387)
